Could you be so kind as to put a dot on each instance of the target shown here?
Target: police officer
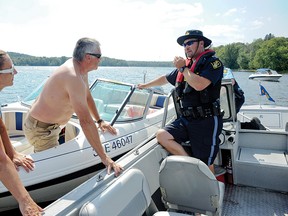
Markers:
(197, 82)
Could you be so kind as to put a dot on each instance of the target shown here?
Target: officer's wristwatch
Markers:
(181, 70)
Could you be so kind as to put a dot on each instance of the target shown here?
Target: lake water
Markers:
(28, 78)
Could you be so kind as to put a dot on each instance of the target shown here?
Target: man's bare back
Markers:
(53, 104)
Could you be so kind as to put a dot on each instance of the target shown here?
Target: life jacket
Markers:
(187, 94)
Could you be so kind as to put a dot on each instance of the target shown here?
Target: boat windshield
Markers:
(28, 101)
(266, 71)
(117, 101)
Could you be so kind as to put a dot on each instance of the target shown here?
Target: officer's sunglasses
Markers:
(189, 43)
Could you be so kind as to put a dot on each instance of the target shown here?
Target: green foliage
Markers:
(27, 60)
(243, 57)
(272, 52)
(229, 54)
(253, 47)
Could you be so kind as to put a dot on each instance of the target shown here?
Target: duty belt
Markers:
(201, 112)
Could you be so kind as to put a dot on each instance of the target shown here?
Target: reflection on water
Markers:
(28, 79)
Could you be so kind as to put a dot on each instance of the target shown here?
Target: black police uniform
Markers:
(200, 119)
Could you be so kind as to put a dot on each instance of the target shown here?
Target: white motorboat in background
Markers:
(265, 74)
(154, 183)
(136, 114)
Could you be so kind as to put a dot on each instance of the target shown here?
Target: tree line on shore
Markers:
(28, 60)
(270, 52)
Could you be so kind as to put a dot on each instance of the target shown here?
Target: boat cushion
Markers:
(160, 101)
(20, 143)
(13, 120)
(157, 101)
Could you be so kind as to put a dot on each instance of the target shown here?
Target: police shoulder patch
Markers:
(216, 64)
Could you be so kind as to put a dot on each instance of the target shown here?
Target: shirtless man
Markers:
(65, 92)
(9, 158)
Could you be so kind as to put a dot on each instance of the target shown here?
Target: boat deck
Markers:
(243, 200)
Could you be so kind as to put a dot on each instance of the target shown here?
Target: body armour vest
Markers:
(186, 94)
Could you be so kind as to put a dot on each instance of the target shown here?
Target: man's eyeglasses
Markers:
(7, 71)
(189, 43)
(96, 55)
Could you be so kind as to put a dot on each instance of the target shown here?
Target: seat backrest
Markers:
(157, 101)
(187, 184)
(128, 195)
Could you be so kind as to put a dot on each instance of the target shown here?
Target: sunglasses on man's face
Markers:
(7, 71)
(95, 55)
(189, 43)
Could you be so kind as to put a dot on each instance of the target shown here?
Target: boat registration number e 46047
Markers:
(117, 144)
(123, 141)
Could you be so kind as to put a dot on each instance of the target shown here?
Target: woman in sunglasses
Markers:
(10, 160)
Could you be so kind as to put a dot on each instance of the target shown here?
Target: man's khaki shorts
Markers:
(40, 134)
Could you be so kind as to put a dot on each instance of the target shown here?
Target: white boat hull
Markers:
(60, 169)
(265, 74)
(265, 78)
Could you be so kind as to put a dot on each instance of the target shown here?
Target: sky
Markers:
(142, 30)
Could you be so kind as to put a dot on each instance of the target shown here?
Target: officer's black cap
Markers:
(194, 34)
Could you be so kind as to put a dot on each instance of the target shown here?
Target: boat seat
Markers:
(259, 168)
(20, 143)
(157, 101)
(139, 98)
(128, 195)
(135, 111)
(188, 185)
(13, 120)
